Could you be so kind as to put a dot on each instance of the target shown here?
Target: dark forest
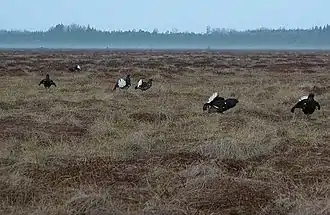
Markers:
(75, 35)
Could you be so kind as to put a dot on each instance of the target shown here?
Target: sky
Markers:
(184, 15)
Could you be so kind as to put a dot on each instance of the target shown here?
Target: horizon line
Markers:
(174, 28)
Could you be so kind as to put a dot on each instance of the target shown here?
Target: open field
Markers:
(81, 148)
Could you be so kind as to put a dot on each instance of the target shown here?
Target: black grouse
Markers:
(142, 85)
(219, 104)
(123, 83)
(307, 104)
(75, 68)
(47, 82)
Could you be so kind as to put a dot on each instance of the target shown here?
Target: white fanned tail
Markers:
(139, 83)
(78, 67)
(214, 95)
(121, 83)
(303, 97)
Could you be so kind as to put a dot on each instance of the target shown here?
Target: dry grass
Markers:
(82, 149)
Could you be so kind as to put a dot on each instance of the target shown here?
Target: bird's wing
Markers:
(300, 104)
(229, 103)
(121, 83)
(53, 83)
(214, 95)
(218, 103)
(218, 98)
(139, 83)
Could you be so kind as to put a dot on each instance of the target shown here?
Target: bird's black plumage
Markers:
(308, 105)
(214, 104)
(144, 85)
(228, 104)
(47, 82)
(219, 104)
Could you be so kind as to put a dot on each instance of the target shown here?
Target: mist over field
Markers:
(86, 37)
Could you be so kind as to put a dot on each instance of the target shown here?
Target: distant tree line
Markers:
(62, 34)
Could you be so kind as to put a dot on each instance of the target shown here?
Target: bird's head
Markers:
(311, 96)
(206, 106)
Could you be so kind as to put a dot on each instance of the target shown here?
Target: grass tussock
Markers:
(81, 148)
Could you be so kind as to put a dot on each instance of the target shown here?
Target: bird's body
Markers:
(142, 85)
(75, 68)
(123, 83)
(218, 104)
(47, 82)
(229, 103)
(307, 104)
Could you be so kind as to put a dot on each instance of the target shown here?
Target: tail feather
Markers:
(121, 82)
(303, 97)
(214, 95)
(139, 83)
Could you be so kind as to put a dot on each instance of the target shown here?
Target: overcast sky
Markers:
(185, 15)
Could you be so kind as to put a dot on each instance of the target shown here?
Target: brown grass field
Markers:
(81, 148)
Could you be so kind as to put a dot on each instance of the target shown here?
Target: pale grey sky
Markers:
(185, 15)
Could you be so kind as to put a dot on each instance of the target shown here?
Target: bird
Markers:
(47, 82)
(123, 83)
(142, 85)
(75, 68)
(218, 104)
(307, 104)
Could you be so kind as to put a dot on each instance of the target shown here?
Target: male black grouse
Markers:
(307, 104)
(123, 83)
(143, 85)
(75, 68)
(47, 82)
(219, 104)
